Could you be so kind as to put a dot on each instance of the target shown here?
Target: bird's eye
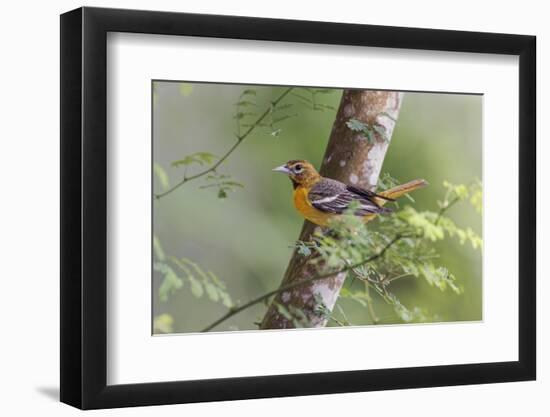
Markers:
(298, 168)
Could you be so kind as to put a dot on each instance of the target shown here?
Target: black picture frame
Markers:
(84, 207)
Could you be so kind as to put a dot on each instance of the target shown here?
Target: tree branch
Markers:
(296, 284)
(240, 138)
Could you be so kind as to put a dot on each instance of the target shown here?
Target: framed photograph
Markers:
(256, 208)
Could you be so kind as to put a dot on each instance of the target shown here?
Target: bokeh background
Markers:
(246, 239)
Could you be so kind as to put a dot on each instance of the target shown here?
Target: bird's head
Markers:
(300, 172)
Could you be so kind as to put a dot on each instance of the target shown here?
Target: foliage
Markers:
(186, 89)
(398, 246)
(248, 120)
(163, 323)
(200, 158)
(295, 315)
(313, 98)
(175, 272)
(223, 183)
(170, 282)
(406, 239)
(471, 192)
(246, 115)
(368, 131)
(162, 176)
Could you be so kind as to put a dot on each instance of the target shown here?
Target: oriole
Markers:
(320, 200)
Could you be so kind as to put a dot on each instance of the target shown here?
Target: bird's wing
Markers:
(334, 197)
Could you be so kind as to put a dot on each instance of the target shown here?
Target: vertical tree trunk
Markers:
(351, 159)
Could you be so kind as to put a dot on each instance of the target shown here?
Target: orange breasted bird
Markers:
(321, 200)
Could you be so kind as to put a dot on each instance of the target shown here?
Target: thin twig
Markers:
(240, 138)
(293, 285)
(390, 280)
(338, 322)
(370, 307)
(446, 207)
(344, 316)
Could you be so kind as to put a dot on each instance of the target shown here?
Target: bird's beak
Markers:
(282, 169)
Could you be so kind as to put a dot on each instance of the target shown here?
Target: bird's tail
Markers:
(399, 190)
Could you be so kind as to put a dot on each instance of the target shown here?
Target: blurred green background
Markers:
(246, 238)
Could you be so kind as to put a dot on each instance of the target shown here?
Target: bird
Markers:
(322, 200)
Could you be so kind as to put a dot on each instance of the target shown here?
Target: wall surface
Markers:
(30, 172)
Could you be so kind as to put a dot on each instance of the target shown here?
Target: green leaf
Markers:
(322, 106)
(283, 311)
(474, 238)
(211, 291)
(360, 297)
(200, 158)
(324, 90)
(301, 97)
(286, 116)
(163, 323)
(188, 160)
(245, 103)
(232, 184)
(303, 249)
(185, 89)
(241, 115)
(161, 175)
(157, 249)
(423, 221)
(356, 125)
(386, 181)
(345, 292)
(439, 277)
(408, 316)
(403, 313)
(216, 176)
(214, 287)
(222, 183)
(476, 199)
(206, 157)
(368, 134)
(170, 283)
(461, 191)
(363, 128)
(196, 287)
(226, 299)
(381, 130)
(218, 282)
(280, 107)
